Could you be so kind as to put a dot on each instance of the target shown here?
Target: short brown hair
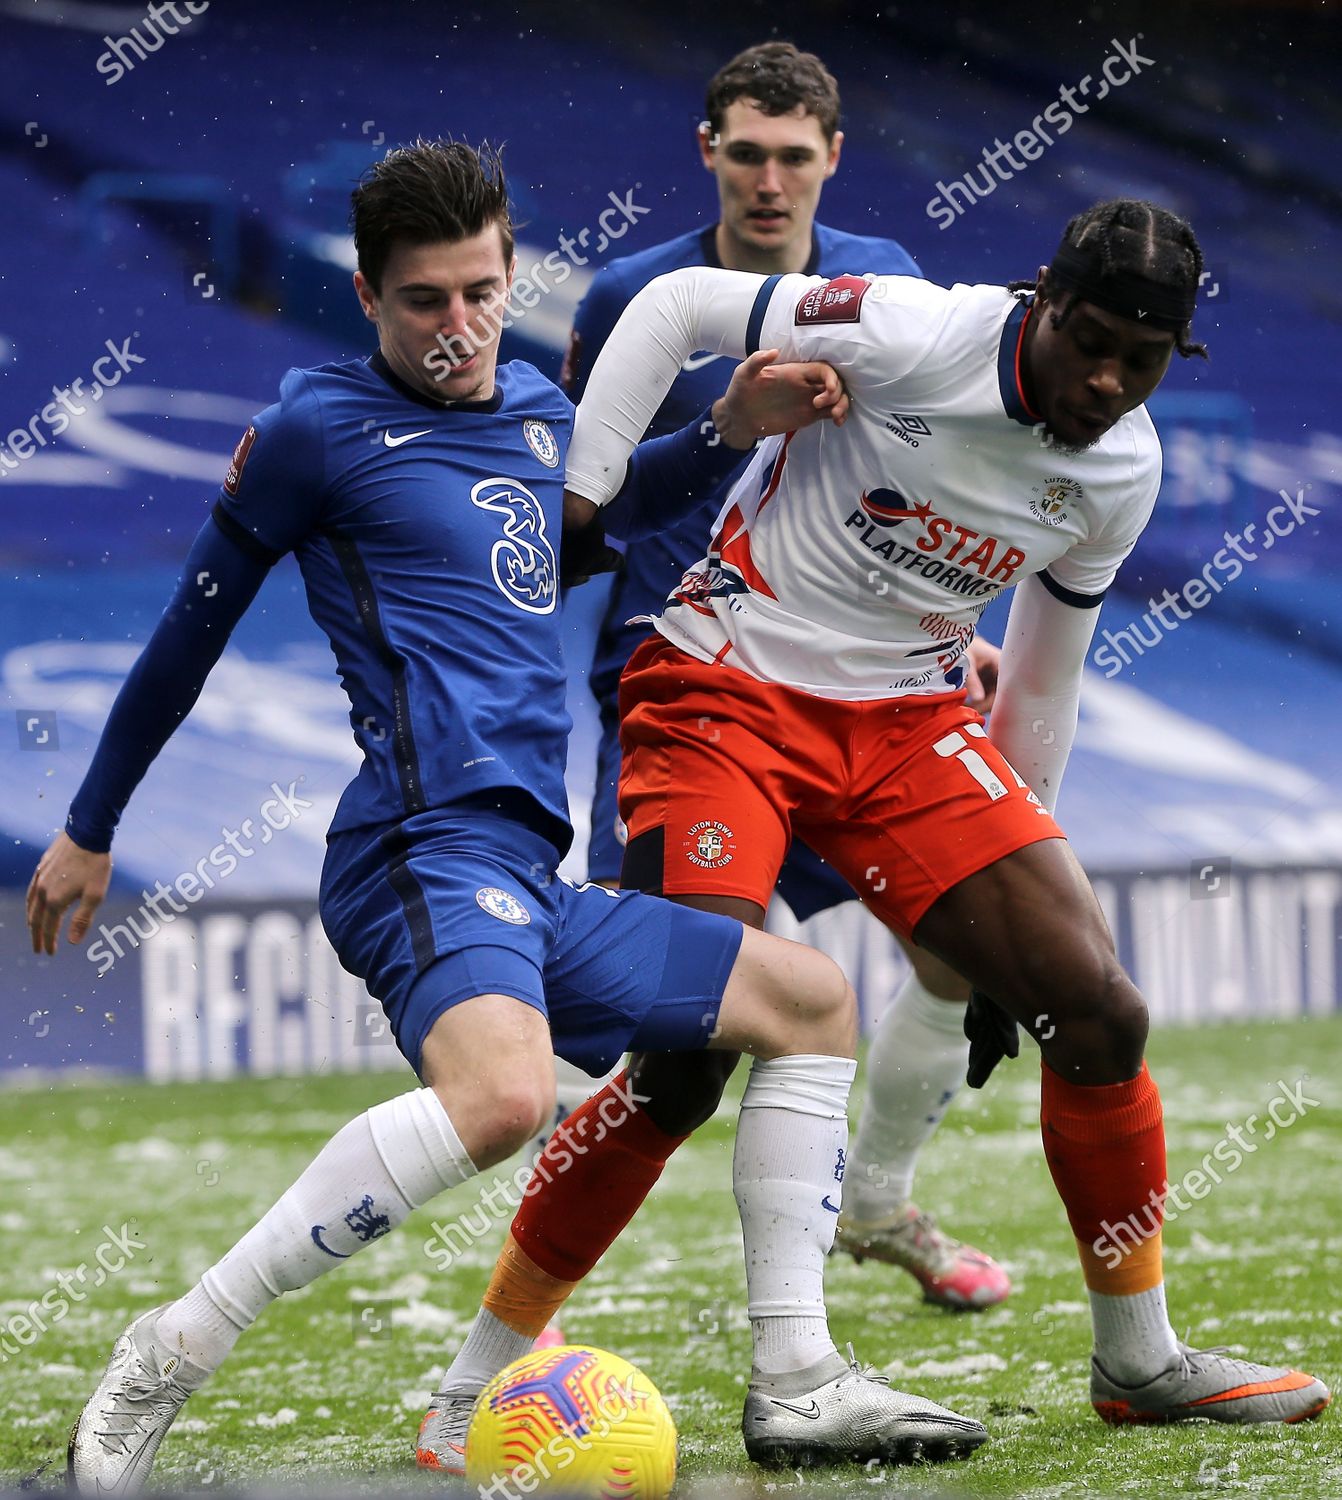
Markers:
(778, 78)
(421, 194)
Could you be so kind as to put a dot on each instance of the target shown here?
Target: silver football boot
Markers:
(843, 1413)
(1208, 1385)
(145, 1385)
(441, 1443)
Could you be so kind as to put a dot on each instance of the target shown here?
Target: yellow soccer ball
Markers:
(571, 1421)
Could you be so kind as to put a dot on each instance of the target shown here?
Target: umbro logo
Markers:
(908, 429)
(395, 442)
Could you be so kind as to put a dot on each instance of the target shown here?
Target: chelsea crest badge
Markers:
(542, 442)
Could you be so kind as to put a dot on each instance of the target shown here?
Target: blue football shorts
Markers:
(447, 906)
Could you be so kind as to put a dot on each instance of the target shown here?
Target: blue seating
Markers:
(198, 206)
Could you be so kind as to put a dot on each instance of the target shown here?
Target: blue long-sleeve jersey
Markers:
(428, 540)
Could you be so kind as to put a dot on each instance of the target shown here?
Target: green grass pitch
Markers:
(328, 1387)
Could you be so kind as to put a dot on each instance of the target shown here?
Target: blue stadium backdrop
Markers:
(176, 233)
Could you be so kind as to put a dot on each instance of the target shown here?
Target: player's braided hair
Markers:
(425, 193)
(1132, 235)
(779, 79)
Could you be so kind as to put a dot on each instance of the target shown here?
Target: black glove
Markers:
(584, 552)
(992, 1036)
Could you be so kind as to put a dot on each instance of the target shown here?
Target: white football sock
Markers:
(365, 1181)
(1133, 1338)
(915, 1068)
(787, 1173)
(489, 1346)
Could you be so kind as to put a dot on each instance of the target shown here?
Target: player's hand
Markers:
(65, 874)
(982, 661)
(992, 1036)
(766, 398)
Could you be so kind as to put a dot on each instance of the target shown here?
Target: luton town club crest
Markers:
(1048, 502)
(710, 845)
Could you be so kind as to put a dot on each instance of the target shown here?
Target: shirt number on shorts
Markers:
(954, 746)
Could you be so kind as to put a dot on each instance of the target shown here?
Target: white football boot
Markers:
(441, 1443)
(145, 1385)
(842, 1413)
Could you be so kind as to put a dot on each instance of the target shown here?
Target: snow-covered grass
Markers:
(326, 1390)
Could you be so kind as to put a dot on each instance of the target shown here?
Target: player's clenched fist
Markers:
(982, 663)
(65, 874)
(766, 398)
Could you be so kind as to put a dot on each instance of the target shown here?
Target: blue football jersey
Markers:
(427, 536)
(654, 566)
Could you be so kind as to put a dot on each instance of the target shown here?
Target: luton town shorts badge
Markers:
(710, 845)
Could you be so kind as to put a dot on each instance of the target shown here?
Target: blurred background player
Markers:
(771, 139)
(439, 888)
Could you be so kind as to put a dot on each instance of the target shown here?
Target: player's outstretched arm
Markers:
(219, 581)
(668, 477)
(1043, 657)
(699, 307)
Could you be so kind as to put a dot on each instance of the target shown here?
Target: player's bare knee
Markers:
(498, 1115)
(1125, 1019)
(936, 976)
(820, 1012)
(838, 1020)
(1114, 1006)
(1097, 1034)
(783, 998)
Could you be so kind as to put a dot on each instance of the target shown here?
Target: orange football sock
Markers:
(520, 1294)
(595, 1170)
(1105, 1147)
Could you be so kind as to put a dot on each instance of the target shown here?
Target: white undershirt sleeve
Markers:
(1033, 722)
(699, 307)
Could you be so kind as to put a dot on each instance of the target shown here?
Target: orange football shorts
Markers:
(904, 797)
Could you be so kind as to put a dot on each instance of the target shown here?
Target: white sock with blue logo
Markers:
(366, 1180)
(787, 1173)
(915, 1068)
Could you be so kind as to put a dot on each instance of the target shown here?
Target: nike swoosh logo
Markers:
(317, 1232)
(395, 442)
(825, 1203)
(698, 361)
(122, 1486)
(809, 1412)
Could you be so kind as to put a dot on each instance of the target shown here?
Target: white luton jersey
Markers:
(853, 563)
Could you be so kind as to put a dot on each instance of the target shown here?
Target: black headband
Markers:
(1128, 294)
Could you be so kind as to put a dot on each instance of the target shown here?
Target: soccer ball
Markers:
(572, 1421)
